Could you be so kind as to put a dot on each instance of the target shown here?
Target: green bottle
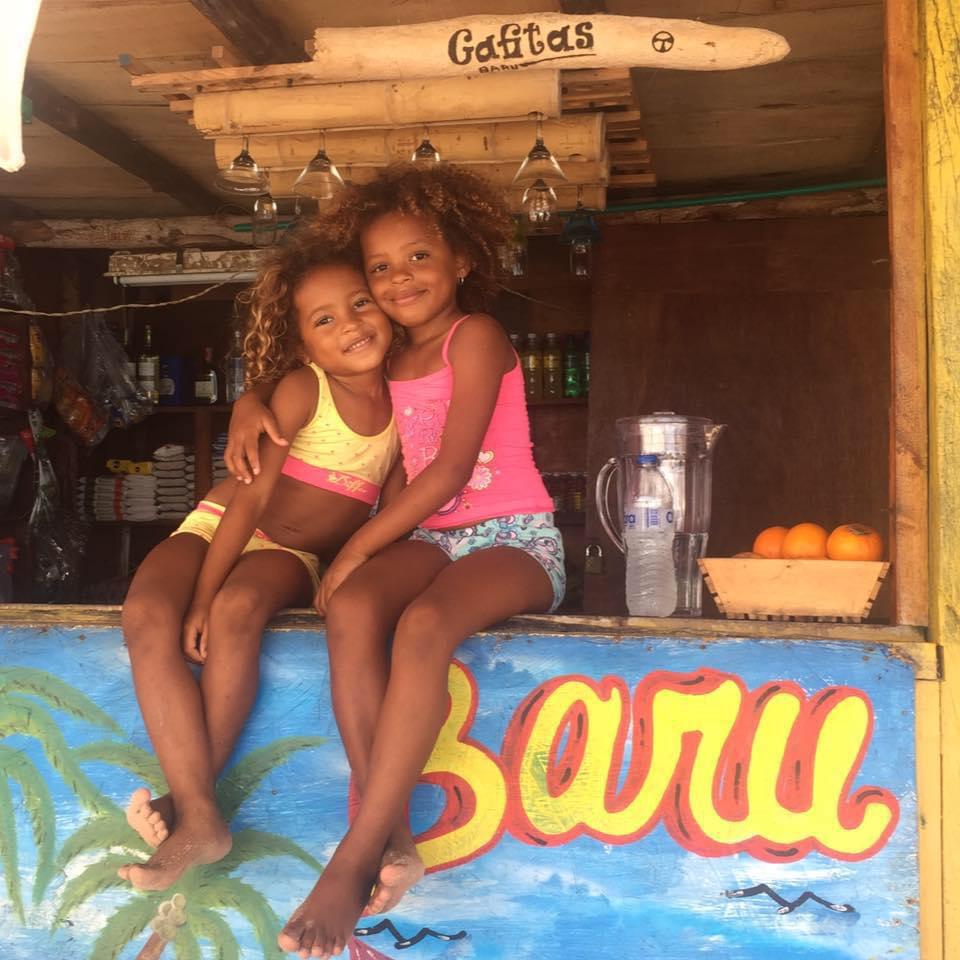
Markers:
(572, 384)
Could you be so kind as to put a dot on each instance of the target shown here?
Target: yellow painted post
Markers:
(941, 49)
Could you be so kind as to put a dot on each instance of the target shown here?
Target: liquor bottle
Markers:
(205, 382)
(235, 368)
(572, 383)
(552, 368)
(532, 362)
(586, 364)
(131, 364)
(148, 367)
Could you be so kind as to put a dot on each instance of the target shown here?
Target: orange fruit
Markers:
(805, 541)
(855, 541)
(769, 542)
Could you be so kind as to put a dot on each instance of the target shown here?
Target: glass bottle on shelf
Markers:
(586, 364)
(572, 384)
(131, 364)
(205, 383)
(235, 367)
(532, 361)
(148, 367)
(552, 368)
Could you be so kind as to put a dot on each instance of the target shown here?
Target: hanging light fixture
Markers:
(243, 176)
(539, 204)
(540, 163)
(426, 155)
(319, 179)
(581, 232)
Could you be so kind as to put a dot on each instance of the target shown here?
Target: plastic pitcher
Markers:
(685, 448)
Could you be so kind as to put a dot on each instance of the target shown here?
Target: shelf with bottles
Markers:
(556, 368)
(559, 402)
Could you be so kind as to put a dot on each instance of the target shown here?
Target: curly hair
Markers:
(470, 213)
(272, 336)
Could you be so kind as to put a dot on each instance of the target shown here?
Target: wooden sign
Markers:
(465, 46)
(588, 796)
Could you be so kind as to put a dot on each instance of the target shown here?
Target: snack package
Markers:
(79, 411)
(98, 363)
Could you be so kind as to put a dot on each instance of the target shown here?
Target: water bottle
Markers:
(648, 538)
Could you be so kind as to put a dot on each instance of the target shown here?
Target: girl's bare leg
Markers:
(168, 695)
(479, 590)
(260, 584)
(357, 637)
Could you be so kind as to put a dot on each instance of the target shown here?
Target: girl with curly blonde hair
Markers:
(246, 551)
(484, 545)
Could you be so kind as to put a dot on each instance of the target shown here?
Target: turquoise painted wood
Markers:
(739, 799)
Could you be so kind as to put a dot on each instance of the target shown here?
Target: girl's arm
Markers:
(395, 482)
(294, 399)
(479, 355)
(250, 417)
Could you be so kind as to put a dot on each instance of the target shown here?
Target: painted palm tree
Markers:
(28, 700)
(208, 890)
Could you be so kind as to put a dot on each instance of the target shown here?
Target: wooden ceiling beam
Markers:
(254, 35)
(580, 7)
(10, 211)
(85, 127)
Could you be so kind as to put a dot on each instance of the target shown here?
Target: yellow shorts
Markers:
(205, 518)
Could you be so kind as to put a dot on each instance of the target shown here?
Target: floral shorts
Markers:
(534, 533)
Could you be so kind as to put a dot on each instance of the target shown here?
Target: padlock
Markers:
(593, 559)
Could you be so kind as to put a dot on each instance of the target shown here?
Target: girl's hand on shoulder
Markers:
(344, 563)
(194, 637)
(249, 418)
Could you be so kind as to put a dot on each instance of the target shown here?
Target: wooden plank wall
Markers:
(779, 329)
(940, 181)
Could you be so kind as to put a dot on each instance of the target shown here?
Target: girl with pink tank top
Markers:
(467, 542)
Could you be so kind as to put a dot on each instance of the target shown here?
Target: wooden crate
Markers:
(746, 588)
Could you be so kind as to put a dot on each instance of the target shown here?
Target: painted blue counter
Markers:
(595, 793)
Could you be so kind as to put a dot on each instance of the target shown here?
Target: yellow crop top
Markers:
(327, 453)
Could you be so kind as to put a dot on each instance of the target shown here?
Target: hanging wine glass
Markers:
(581, 232)
(426, 155)
(540, 163)
(243, 175)
(319, 179)
(265, 221)
(539, 204)
(512, 255)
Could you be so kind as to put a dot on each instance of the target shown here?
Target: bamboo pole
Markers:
(470, 45)
(581, 136)
(375, 104)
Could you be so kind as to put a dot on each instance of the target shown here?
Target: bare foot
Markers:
(324, 922)
(400, 869)
(197, 839)
(151, 818)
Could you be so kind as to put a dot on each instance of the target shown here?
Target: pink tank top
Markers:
(505, 479)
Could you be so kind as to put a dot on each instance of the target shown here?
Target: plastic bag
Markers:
(13, 452)
(57, 540)
(98, 363)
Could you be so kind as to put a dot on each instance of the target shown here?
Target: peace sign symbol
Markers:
(662, 42)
